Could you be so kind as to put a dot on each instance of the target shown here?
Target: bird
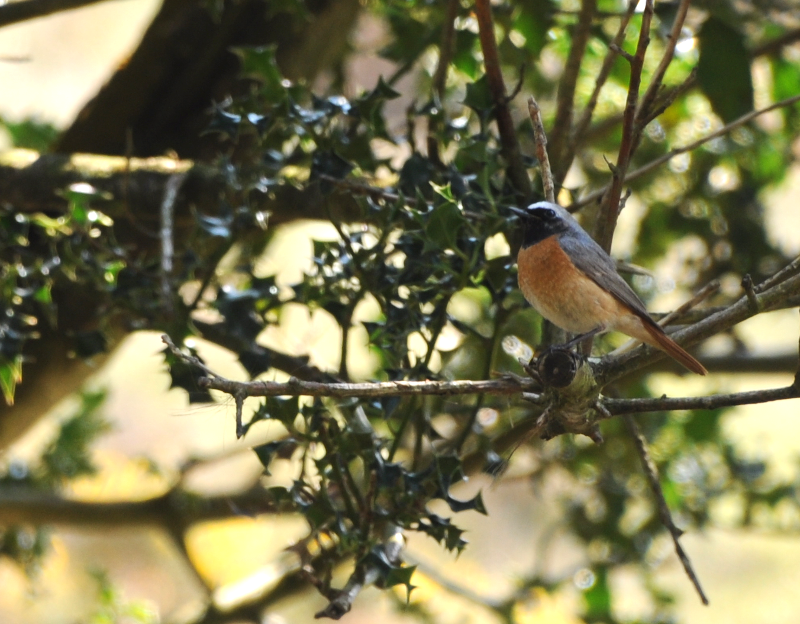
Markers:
(573, 283)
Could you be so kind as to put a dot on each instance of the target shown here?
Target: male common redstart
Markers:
(573, 283)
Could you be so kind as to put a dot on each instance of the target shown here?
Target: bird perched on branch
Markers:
(573, 283)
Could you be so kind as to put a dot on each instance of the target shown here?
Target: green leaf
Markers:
(31, 134)
(479, 96)
(723, 70)
(534, 19)
(259, 63)
(785, 78)
(598, 597)
(443, 224)
(10, 376)
(69, 456)
(464, 57)
(283, 449)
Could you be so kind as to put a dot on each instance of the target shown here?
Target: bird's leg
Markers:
(581, 337)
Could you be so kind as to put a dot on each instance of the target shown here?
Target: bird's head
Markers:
(542, 220)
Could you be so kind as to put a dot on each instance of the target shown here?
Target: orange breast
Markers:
(563, 294)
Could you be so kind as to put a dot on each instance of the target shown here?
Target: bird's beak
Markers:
(522, 214)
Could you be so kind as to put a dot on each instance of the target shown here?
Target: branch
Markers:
(167, 238)
(174, 508)
(605, 71)
(15, 12)
(609, 211)
(773, 46)
(377, 389)
(439, 80)
(540, 140)
(565, 102)
(651, 472)
(617, 407)
(649, 97)
(505, 125)
(368, 571)
(597, 195)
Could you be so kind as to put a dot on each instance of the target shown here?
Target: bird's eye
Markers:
(549, 213)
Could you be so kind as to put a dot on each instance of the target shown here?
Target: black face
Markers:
(540, 222)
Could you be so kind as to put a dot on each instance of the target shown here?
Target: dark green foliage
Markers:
(68, 456)
(724, 70)
(30, 134)
(39, 253)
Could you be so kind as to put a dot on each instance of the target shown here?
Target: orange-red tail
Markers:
(668, 345)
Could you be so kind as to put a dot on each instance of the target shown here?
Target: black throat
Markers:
(536, 230)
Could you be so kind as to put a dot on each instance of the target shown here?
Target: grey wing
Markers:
(590, 258)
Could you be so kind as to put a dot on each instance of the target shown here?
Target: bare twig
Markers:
(296, 387)
(440, 75)
(607, 220)
(602, 76)
(15, 12)
(667, 97)
(167, 241)
(596, 195)
(704, 293)
(186, 357)
(750, 292)
(505, 125)
(649, 96)
(774, 46)
(565, 102)
(618, 407)
(540, 140)
(651, 472)
(785, 273)
(445, 48)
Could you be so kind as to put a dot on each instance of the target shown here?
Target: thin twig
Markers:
(602, 76)
(540, 141)
(609, 211)
(186, 357)
(774, 46)
(785, 273)
(649, 96)
(618, 407)
(644, 169)
(704, 293)
(749, 291)
(445, 48)
(565, 102)
(167, 239)
(651, 472)
(505, 125)
(439, 80)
